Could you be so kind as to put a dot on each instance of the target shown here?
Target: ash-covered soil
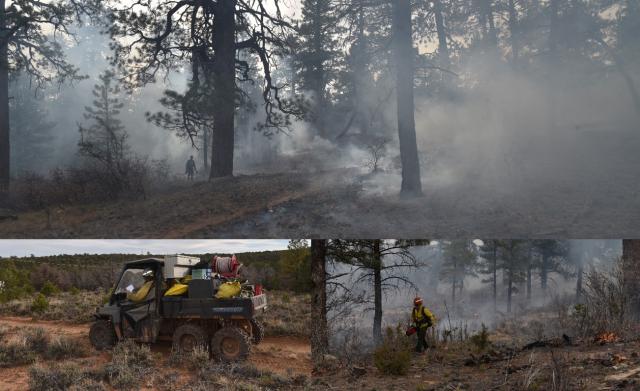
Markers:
(594, 193)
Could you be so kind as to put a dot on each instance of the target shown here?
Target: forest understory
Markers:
(581, 199)
(585, 366)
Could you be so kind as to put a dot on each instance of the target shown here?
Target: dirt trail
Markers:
(283, 355)
(56, 328)
(274, 354)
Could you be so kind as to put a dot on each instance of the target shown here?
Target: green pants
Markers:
(422, 339)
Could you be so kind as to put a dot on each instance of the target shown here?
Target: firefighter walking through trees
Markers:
(422, 319)
(190, 168)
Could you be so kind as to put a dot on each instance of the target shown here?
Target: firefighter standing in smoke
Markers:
(190, 168)
(422, 319)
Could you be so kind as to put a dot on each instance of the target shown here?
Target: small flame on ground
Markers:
(606, 337)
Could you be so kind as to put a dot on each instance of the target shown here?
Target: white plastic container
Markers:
(177, 266)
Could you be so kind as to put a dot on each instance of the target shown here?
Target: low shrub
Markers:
(64, 347)
(49, 289)
(606, 304)
(393, 356)
(16, 353)
(36, 339)
(480, 341)
(129, 364)
(58, 377)
(196, 360)
(39, 304)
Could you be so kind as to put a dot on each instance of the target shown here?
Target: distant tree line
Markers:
(279, 270)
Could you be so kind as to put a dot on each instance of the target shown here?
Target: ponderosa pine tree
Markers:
(551, 255)
(319, 326)
(155, 37)
(32, 131)
(404, 59)
(314, 55)
(31, 41)
(381, 263)
(513, 257)
(488, 253)
(104, 140)
(460, 261)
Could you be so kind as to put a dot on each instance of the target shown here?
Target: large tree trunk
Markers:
(377, 286)
(404, 57)
(453, 292)
(579, 282)
(205, 149)
(5, 146)
(225, 86)
(631, 274)
(509, 290)
(443, 49)
(544, 272)
(629, 82)
(495, 276)
(319, 329)
(553, 63)
(493, 35)
(454, 284)
(514, 33)
(529, 269)
(318, 86)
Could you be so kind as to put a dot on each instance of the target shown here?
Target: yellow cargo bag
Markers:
(228, 290)
(142, 293)
(176, 290)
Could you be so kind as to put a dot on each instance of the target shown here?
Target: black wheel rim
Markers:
(100, 336)
(188, 343)
(230, 347)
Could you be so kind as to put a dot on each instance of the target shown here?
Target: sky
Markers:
(42, 247)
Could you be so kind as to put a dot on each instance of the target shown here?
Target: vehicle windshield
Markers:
(130, 281)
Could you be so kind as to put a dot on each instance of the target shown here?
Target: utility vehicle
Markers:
(226, 327)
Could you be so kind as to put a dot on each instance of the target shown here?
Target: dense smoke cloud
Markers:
(474, 305)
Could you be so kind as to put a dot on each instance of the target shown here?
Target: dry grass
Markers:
(29, 344)
(287, 314)
(67, 307)
(130, 364)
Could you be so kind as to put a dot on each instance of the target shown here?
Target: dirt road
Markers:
(282, 355)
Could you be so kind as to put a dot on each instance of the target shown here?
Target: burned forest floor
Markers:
(583, 365)
(591, 196)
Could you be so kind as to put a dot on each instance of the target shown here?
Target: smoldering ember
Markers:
(282, 118)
